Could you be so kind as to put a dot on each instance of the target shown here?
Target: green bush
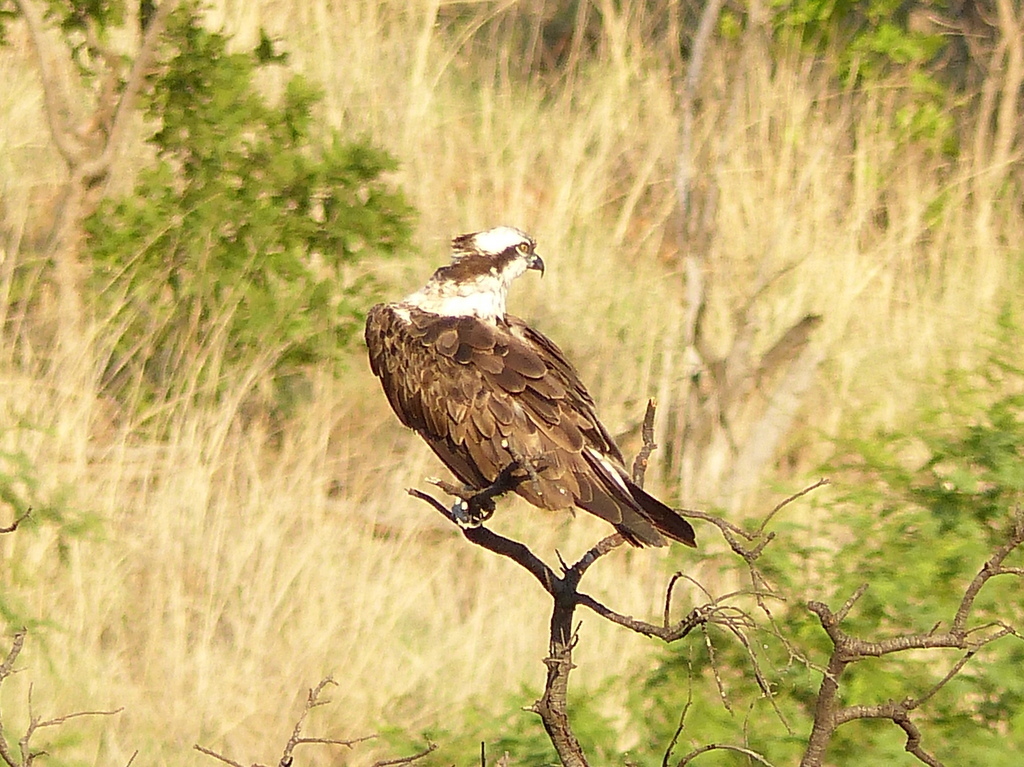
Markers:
(241, 237)
(872, 44)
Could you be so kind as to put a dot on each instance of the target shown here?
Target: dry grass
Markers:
(230, 572)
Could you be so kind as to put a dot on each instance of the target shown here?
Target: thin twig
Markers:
(682, 722)
(723, 747)
(431, 747)
(714, 668)
(7, 667)
(840, 616)
(601, 548)
(953, 671)
(668, 594)
(297, 739)
(786, 501)
(219, 757)
(14, 525)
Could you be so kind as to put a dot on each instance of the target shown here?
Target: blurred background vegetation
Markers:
(811, 254)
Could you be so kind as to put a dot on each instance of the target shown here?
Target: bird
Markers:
(491, 394)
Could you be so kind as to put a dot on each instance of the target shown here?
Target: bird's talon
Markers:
(467, 514)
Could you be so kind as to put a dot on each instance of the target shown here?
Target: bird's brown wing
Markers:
(484, 396)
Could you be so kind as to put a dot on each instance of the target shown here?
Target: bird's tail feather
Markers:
(665, 519)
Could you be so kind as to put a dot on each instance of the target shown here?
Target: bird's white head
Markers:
(476, 282)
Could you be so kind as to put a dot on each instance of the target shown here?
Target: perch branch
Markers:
(564, 588)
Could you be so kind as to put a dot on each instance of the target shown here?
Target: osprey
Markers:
(489, 393)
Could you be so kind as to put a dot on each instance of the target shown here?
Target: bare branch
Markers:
(564, 591)
(14, 525)
(848, 649)
(785, 502)
(552, 707)
(899, 714)
(67, 717)
(407, 759)
(647, 432)
(698, 616)
(714, 670)
(312, 701)
(499, 544)
(604, 546)
(840, 616)
(219, 757)
(682, 723)
(990, 569)
(7, 667)
(668, 594)
(723, 747)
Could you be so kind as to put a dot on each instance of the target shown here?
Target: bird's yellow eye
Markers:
(523, 247)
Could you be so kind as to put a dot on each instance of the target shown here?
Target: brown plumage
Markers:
(481, 386)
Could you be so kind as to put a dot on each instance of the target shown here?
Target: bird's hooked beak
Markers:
(536, 262)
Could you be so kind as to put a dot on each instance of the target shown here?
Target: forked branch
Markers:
(847, 649)
(26, 756)
(563, 587)
(313, 700)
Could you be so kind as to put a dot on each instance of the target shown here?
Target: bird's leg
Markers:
(474, 507)
(531, 467)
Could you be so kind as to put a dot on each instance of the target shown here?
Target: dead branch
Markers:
(14, 525)
(749, 546)
(649, 446)
(218, 757)
(297, 738)
(553, 704)
(705, 748)
(847, 649)
(6, 669)
(431, 747)
(565, 594)
(723, 747)
(35, 723)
